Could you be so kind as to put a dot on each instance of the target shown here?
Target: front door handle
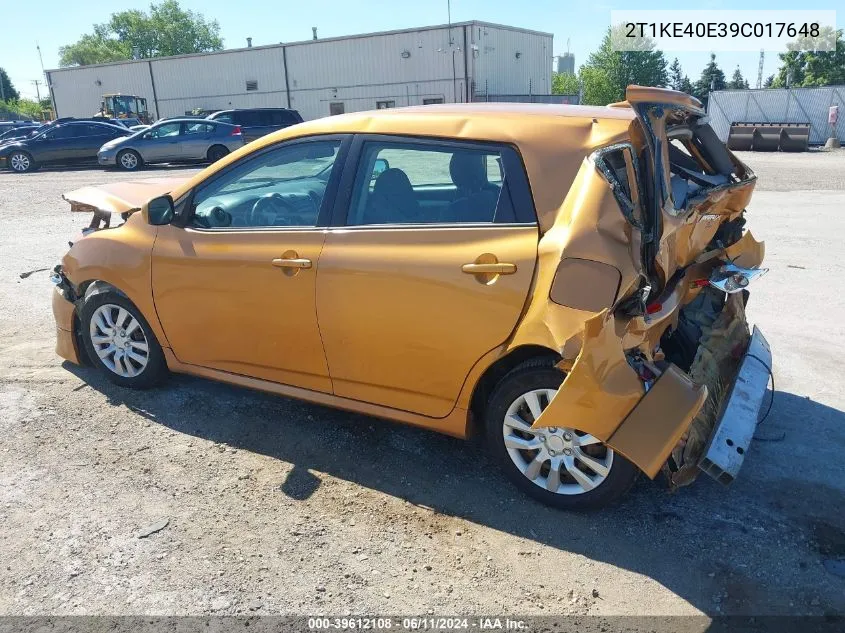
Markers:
(499, 268)
(292, 262)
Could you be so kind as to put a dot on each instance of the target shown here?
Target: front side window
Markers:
(225, 118)
(65, 131)
(283, 187)
(165, 130)
(432, 183)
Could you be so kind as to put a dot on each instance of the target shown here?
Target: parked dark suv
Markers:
(256, 122)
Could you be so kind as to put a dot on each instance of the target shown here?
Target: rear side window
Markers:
(199, 128)
(283, 117)
(251, 118)
(438, 183)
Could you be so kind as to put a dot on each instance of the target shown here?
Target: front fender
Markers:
(122, 258)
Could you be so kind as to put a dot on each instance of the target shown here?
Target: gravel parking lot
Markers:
(268, 505)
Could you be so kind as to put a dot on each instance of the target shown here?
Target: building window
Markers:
(381, 105)
(336, 108)
(251, 84)
(433, 100)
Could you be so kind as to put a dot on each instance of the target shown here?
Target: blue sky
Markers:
(53, 23)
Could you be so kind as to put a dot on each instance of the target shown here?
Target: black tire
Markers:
(129, 165)
(542, 374)
(21, 162)
(155, 369)
(216, 152)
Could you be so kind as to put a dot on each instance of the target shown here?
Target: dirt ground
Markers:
(268, 505)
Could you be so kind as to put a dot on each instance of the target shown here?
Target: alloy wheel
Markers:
(119, 340)
(561, 460)
(128, 160)
(20, 162)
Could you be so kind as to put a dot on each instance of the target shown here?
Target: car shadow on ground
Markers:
(715, 547)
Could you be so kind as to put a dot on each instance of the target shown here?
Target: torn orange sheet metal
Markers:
(605, 396)
(654, 427)
(746, 252)
(120, 197)
(601, 389)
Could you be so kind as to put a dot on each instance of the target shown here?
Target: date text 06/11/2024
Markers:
(421, 623)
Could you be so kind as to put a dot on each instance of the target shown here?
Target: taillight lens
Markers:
(236, 131)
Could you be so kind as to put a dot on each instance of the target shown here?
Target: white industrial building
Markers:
(466, 61)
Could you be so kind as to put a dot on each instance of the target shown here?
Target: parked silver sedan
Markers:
(174, 140)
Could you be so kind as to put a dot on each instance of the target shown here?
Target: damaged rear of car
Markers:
(668, 374)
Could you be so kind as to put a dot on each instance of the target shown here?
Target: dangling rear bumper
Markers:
(734, 431)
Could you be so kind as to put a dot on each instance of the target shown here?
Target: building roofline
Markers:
(312, 42)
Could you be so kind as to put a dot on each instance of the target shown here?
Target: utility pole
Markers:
(37, 83)
(46, 80)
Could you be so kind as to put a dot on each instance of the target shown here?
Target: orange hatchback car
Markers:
(569, 281)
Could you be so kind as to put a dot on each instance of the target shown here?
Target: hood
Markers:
(114, 142)
(120, 197)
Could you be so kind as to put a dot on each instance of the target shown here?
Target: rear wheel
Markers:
(561, 466)
(129, 159)
(216, 152)
(21, 162)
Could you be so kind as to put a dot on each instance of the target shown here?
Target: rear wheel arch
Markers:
(497, 370)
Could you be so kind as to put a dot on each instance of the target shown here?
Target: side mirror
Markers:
(381, 165)
(160, 211)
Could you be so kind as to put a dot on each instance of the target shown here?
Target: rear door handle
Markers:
(499, 268)
(294, 262)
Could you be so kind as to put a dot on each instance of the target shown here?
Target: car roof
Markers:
(498, 122)
(189, 120)
(254, 110)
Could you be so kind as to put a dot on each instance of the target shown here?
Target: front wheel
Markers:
(120, 342)
(21, 162)
(561, 466)
(129, 159)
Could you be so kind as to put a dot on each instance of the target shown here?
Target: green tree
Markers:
(565, 84)
(769, 81)
(676, 75)
(738, 82)
(621, 68)
(677, 79)
(24, 108)
(712, 78)
(166, 30)
(802, 68)
(598, 87)
(6, 88)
